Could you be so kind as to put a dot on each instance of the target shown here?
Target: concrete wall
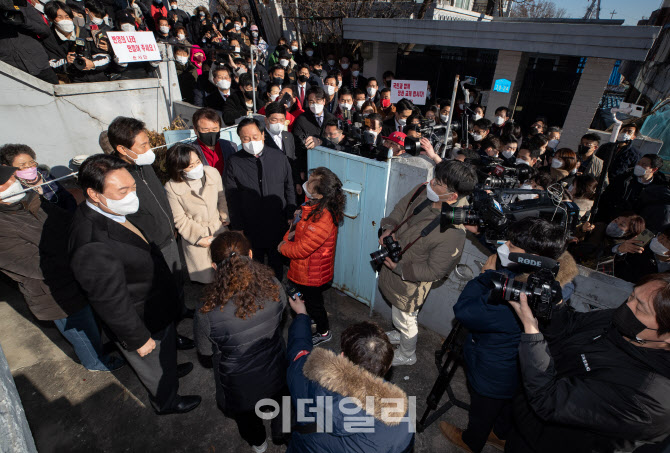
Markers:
(589, 91)
(62, 121)
(509, 66)
(15, 435)
(593, 289)
(384, 56)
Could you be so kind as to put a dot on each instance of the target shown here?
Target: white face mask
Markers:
(237, 27)
(330, 90)
(520, 161)
(346, 106)
(6, 195)
(355, 73)
(308, 194)
(359, 104)
(626, 137)
(195, 173)
(223, 84)
(402, 121)
(613, 230)
(294, 49)
(147, 158)
(477, 137)
(499, 121)
(477, 117)
(316, 109)
(236, 49)
(431, 194)
(552, 143)
(182, 59)
(639, 171)
(164, 29)
(181, 37)
(372, 91)
(339, 84)
(507, 154)
(173, 7)
(309, 53)
(503, 254)
(96, 20)
(331, 62)
(125, 206)
(658, 248)
(127, 27)
(556, 163)
(275, 129)
(39, 7)
(283, 62)
(254, 34)
(253, 147)
(273, 97)
(345, 65)
(66, 26)
(444, 118)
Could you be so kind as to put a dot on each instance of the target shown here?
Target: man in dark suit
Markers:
(241, 102)
(260, 193)
(309, 128)
(277, 137)
(397, 122)
(127, 280)
(223, 79)
(355, 80)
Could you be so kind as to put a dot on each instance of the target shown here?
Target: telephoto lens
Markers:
(461, 216)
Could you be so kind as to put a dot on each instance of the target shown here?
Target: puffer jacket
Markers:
(312, 250)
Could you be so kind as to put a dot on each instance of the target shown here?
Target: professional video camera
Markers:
(360, 139)
(541, 288)
(493, 174)
(488, 212)
(391, 248)
(78, 46)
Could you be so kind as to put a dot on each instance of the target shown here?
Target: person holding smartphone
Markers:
(642, 255)
(310, 244)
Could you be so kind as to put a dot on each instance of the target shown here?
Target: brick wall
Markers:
(585, 101)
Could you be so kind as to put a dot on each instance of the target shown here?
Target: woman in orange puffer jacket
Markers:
(310, 244)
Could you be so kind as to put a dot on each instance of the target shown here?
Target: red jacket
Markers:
(312, 250)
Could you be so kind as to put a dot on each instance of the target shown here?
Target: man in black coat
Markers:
(154, 216)
(260, 193)
(241, 102)
(309, 128)
(624, 154)
(20, 44)
(596, 381)
(127, 280)
(278, 138)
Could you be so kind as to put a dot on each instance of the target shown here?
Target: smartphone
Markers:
(292, 291)
(645, 237)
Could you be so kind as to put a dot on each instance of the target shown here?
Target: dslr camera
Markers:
(391, 248)
(541, 288)
(78, 46)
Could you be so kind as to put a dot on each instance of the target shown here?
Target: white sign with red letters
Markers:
(134, 46)
(413, 90)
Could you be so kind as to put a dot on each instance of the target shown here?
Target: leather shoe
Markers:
(184, 343)
(182, 405)
(183, 369)
(454, 435)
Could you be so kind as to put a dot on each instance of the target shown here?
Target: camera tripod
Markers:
(453, 347)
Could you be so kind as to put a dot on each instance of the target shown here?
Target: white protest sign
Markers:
(413, 90)
(134, 46)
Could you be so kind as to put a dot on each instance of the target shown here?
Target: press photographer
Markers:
(490, 350)
(427, 255)
(597, 381)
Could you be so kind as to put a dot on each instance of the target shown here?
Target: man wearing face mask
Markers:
(162, 32)
(187, 73)
(355, 80)
(635, 260)
(95, 13)
(33, 238)
(214, 150)
(260, 193)
(405, 284)
(624, 154)
(372, 91)
(154, 216)
(499, 121)
(182, 16)
(597, 381)
(158, 10)
(490, 351)
(127, 280)
(403, 110)
(589, 163)
(309, 127)
(277, 137)
(241, 103)
(222, 77)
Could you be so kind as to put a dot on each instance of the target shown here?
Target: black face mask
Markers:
(277, 81)
(302, 78)
(209, 138)
(627, 323)
(581, 149)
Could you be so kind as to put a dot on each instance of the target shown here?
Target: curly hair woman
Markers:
(310, 244)
(239, 323)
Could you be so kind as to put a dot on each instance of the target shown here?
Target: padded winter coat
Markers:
(312, 250)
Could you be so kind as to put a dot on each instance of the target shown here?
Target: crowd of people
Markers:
(118, 253)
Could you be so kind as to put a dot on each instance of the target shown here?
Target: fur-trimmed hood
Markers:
(340, 375)
(566, 273)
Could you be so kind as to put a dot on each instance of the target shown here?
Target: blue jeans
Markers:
(81, 330)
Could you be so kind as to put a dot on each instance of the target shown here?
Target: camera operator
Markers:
(405, 284)
(490, 351)
(595, 381)
(334, 138)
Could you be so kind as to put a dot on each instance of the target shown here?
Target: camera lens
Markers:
(379, 256)
(461, 216)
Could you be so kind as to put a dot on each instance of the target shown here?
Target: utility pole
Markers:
(612, 13)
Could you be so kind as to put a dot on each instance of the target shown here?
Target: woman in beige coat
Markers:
(199, 207)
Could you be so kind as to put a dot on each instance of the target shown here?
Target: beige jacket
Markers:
(430, 259)
(200, 210)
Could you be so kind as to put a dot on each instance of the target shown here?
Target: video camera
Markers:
(493, 174)
(492, 215)
(356, 129)
(541, 288)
